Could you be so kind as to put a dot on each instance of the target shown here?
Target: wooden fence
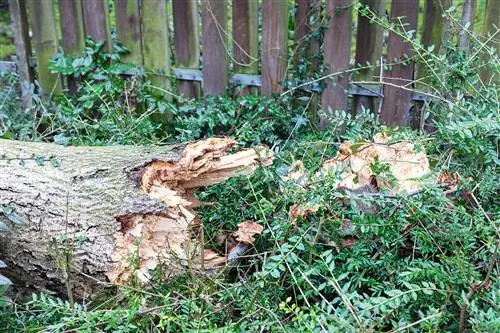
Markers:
(252, 52)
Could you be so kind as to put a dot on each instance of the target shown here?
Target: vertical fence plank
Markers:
(95, 19)
(73, 36)
(214, 47)
(20, 29)
(434, 23)
(155, 48)
(468, 11)
(337, 50)
(307, 48)
(43, 23)
(303, 28)
(435, 30)
(245, 39)
(128, 28)
(397, 101)
(187, 44)
(369, 39)
(490, 27)
(274, 45)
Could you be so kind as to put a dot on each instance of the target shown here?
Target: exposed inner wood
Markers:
(170, 238)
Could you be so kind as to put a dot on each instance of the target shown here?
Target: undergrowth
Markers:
(409, 264)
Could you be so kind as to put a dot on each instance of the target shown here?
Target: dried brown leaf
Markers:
(246, 231)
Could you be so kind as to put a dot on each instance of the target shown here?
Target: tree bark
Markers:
(81, 216)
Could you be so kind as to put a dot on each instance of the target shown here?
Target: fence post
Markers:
(155, 48)
(274, 45)
(95, 19)
(337, 51)
(468, 11)
(435, 31)
(245, 39)
(303, 27)
(398, 80)
(187, 43)
(128, 28)
(214, 47)
(369, 39)
(43, 23)
(20, 29)
(490, 27)
(307, 48)
(72, 36)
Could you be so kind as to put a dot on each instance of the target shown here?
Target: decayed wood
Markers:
(187, 44)
(128, 28)
(397, 101)
(43, 23)
(337, 51)
(245, 39)
(95, 19)
(274, 45)
(369, 39)
(130, 207)
(214, 47)
(20, 30)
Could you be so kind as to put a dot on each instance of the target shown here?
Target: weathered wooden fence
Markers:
(211, 56)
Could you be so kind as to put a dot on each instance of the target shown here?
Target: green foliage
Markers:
(359, 263)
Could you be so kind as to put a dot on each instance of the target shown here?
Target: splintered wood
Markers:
(172, 237)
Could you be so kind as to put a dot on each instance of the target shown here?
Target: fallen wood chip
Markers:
(355, 162)
(246, 231)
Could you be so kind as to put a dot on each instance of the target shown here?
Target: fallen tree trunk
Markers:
(78, 216)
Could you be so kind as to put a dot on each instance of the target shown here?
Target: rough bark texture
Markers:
(96, 214)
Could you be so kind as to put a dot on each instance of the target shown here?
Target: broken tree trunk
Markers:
(80, 216)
